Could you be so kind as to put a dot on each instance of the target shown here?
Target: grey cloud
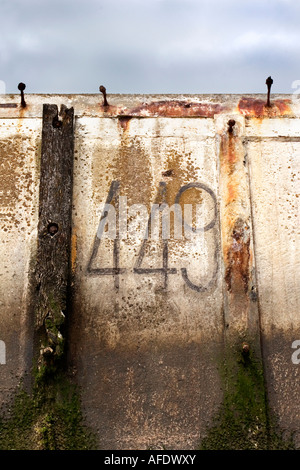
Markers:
(149, 46)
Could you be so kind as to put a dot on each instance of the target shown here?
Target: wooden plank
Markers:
(54, 231)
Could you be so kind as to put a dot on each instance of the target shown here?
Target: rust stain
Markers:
(111, 111)
(73, 251)
(259, 108)
(22, 112)
(232, 191)
(177, 108)
(229, 156)
(124, 122)
(238, 257)
(236, 233)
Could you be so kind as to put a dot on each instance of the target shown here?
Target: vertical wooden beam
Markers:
(54, 231)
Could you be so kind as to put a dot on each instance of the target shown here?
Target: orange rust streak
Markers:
(236, 244)
(73, 251)
(228, 154)
(231, 156)
(232, 192)
(238, 259)
(237, 272)
(22, 112)
(164, 108)
(124, 122)
(111, 110)
(258, 107)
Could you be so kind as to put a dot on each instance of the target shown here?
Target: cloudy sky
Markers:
(149, 46)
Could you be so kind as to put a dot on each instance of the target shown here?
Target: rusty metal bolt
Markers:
(231, 124)
(103, 91)
(22, 87)
(52, 229)
(269, 83)
(245, 349)
(56, 123)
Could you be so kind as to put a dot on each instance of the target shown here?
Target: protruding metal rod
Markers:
(22, 87)
(269, 83)
(103, 91)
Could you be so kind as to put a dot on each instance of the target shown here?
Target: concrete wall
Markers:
(145, 346)
(19, 155)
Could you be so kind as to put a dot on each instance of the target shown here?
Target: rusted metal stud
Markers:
(22, 87)
(56, 123)
(245, 349)
(269, 83)
(52, 229)
(231, 124)
(103, 91)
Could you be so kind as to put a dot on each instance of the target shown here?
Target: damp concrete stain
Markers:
(182, 168)
(132, 167)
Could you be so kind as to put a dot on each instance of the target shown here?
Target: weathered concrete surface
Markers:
(150, 347)
(19, 151)
(273, 148)
(145, 345)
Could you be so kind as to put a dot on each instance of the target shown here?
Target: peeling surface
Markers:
(206, 106)
(177, 109)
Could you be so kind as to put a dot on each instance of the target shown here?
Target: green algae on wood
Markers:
(48, 418)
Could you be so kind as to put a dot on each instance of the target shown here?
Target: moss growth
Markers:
(51, 336)
(47, 419)
(243, 422)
